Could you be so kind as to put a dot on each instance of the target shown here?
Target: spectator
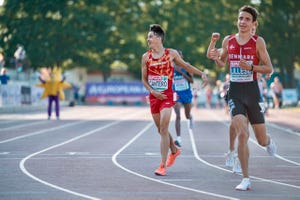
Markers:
(277, 88)
(224, 93)
(208, 94)
(263, 90)
(218, 91)
(4, 78)
(2, 59)
(19, 55)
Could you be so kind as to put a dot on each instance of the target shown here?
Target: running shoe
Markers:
(229, 158)
(172, 157)
(161, 170)
(271, 148)
(236, 165)
(177, 143)
(244, 185)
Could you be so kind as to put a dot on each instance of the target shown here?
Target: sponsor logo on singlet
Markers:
(157, 63)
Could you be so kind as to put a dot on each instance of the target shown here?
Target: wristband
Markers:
(252, 66)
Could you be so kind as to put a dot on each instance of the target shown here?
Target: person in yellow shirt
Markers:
(53, 89)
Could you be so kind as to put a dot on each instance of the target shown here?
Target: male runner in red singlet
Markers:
(247, 55)
(157, 77)
(231, 159)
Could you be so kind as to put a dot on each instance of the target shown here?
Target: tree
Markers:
(94, 34)
(280, 28)
(57, 33)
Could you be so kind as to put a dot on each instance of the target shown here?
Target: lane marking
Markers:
(78, 153)
(5, 121)
(26, 172)
(290, 131)
(53, 129)
(23, 125)
(114, 159)
(276, 155)
(41, 132)
(255, 142)
(191, 133)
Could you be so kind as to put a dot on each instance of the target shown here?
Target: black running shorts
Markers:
(244, 98)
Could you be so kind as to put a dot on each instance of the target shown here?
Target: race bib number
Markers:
(158, 83)
(240, 75)
(180, 83)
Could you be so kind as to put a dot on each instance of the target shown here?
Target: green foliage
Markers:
(94, 34)
(280, 29)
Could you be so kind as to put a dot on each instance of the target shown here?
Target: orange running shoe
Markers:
(161, 170)
(172, 157)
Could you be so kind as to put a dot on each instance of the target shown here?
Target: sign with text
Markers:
(115, 93)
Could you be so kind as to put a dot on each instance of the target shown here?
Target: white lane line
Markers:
(6, 121)
(276, 155)
(255, 142)
(41, 131)
(114, 160)
(191, 133)
(54, 128)
(26, 172)
(283, 129)
(23, 125)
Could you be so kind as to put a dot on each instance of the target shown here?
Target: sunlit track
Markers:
(114, 159)
(42, 131)
(85, 115)
(23, 161)
(23, 125)
(191, 133)
(255, 142)
(111, 152)
(115, 156)
(287, 130)
(6, 121)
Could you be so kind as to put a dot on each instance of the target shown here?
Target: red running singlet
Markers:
(160, 73)
(236, 52)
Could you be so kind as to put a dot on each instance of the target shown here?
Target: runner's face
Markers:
(245, 23)
(152, 39)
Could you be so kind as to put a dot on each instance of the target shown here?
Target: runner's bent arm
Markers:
(211, 50)
(266, 67)
(222, 59)
(218, 55)
(187, 66)
(188, 76)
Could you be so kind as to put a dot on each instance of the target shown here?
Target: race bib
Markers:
(180, 83)
(158, 83)
(240, 75)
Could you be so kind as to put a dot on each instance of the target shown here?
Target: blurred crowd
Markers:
(215, 94)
